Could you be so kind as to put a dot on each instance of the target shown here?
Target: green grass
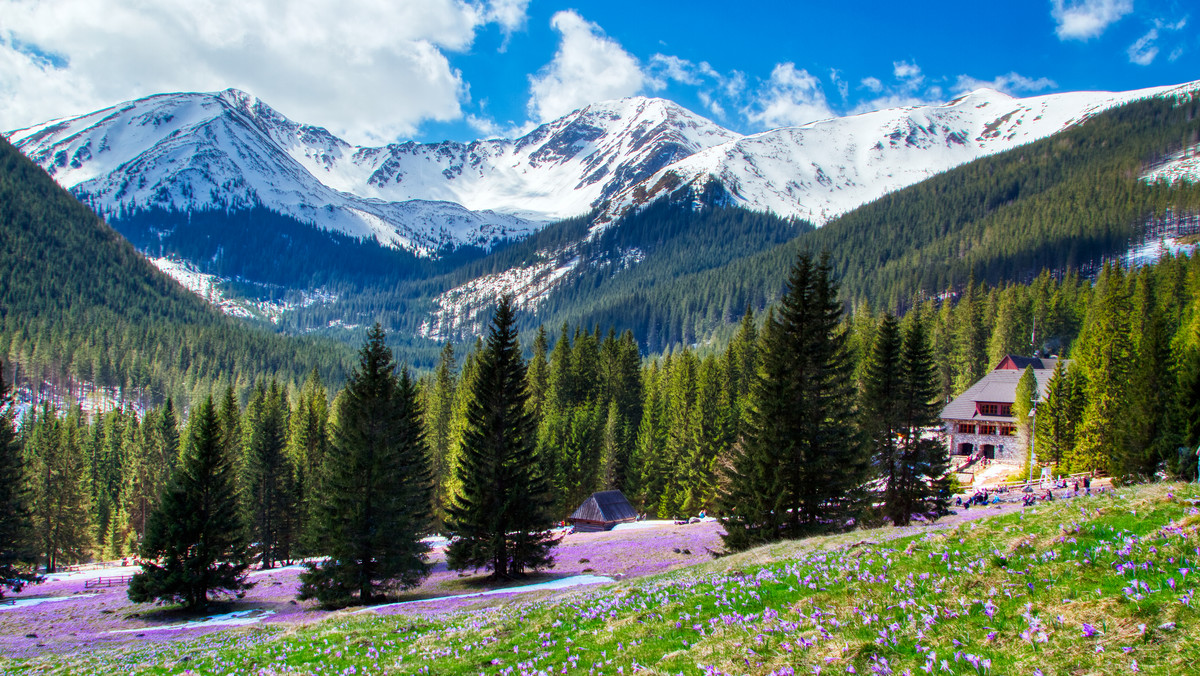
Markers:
(1087, 586)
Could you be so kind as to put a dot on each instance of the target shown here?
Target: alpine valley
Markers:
(634, 213)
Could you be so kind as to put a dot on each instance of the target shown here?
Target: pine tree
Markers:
(308, 446)
(375, 494)
(15, 517)
(269, 477)
(500, 516)
(800, 465)
(710, 431)
(438, 421)
(1057, 417)
(970, 339)
(195, 541)
(1152, 430)
(60, 494)
(1104, 352)
(923, 485)
(881, 411)
(539, 374)
(647, 476)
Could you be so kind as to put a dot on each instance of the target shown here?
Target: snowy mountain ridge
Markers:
(230, 151)
(823, 169)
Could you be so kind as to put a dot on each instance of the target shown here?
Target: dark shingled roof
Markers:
(606, 507)
(999, 386)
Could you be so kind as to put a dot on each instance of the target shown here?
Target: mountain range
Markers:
(205, 182)
(230, 151)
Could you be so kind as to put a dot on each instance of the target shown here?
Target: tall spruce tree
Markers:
(438, 420)
(16, 553)
(376, 481)
(308, 445)
(923, 485)
(800, 466)
(500, 515)
(195, 540)
(1104, 353)
(270, 489)
(1058, 415)
(881, 411)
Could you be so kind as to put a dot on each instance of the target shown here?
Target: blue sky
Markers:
(380, 70)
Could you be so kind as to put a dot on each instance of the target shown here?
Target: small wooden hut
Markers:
(602, 511)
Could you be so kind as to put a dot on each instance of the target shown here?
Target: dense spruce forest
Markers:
(665, 431)
(80, 306)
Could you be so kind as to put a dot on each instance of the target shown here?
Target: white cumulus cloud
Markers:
(791, 96)
(588, 67)
(369, 70)
(909, 72)
(1087, 19)
(1143, 51)
(872, 83)
(1012, 83)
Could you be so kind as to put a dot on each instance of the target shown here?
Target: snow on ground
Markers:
(1149, 252)
(562, 583)
(460, 309)
(1182, 166)
(92, 573)
(237, 618)
(209, 287)
(25, 603)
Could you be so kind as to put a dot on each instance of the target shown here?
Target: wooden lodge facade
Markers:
(979, 422)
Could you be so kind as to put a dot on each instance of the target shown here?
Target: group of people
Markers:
(980, 497)
(986, 496)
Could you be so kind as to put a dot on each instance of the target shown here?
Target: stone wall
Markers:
(1010, 454)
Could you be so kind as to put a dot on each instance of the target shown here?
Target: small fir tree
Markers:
(1023, 404)
(195, 540)
(500, 514)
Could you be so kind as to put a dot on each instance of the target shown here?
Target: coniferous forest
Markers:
(684, 432)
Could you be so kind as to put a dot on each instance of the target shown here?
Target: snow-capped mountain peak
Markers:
(823, 169)
(230, 150)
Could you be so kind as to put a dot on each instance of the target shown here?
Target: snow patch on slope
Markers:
(1182, 166)
(461, 309)
(209, 287)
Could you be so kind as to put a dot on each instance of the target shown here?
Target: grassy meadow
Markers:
(1090, 585)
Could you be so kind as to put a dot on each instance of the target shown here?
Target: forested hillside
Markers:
(1066, 202)
(79, 304)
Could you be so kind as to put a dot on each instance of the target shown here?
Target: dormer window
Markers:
(992, 408)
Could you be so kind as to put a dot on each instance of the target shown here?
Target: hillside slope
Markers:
(78, 302)
(1100, 584)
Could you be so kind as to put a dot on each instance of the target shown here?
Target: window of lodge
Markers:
(1008, 430)
(966, 428)
(989, 409)
(987, 429)
(1006, 410)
